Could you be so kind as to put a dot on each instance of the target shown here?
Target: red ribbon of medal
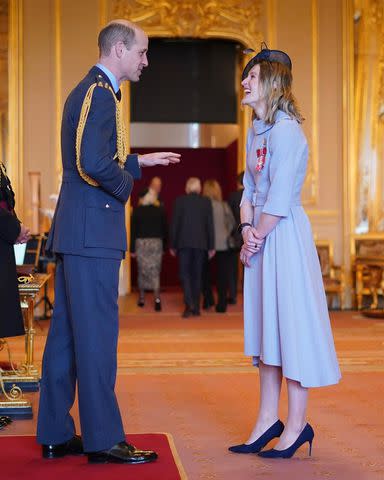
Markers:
(261, 154)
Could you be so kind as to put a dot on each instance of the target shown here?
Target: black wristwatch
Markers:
(242, 225)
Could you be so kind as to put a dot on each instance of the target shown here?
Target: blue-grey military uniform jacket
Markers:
(90, 221)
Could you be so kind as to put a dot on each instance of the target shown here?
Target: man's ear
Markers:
(119, 49)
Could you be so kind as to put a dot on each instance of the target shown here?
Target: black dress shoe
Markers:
(3, 424)
(5, 420)
(273, 432)
(196, 312)
(122, 453)
(74, 446)
(140, 302)
(220, 308)
(187, 313)
(305, 436)
(207, 304)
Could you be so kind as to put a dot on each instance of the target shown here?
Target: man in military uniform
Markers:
(89, 237)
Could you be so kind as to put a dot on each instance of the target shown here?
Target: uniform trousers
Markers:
(81, 349)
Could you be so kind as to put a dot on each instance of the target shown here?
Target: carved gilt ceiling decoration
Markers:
(230, 19)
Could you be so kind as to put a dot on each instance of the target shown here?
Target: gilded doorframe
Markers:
(226, 19)
(349, 141)
(15, 146)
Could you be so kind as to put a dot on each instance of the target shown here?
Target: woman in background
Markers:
(224, 224)
(148, 239)
(11, 232)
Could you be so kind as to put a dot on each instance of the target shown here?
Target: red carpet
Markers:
(21, 459)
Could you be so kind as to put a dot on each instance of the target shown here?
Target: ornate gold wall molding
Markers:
(369, 110)
(271, 19)
(4, 27)
(229, 19)
(310, 194)
(379, 215)
(15, 102)
(312, 179)
(349, 150)
(103, 13)
(58, 90)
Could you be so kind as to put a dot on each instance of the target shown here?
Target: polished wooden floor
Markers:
(190, 378)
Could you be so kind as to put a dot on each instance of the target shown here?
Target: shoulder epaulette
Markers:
(100, 81)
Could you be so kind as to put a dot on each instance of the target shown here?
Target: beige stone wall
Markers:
(39, 97)
(60, 46)
(311, 32)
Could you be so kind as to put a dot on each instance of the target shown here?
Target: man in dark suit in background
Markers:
(191, 237)
(233, 264)
(89, 237)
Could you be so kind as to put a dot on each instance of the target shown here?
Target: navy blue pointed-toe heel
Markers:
(274, 431)
(305, 436)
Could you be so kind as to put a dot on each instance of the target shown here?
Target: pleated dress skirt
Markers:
(286, 321)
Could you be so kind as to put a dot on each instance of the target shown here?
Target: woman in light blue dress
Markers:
(286, 323)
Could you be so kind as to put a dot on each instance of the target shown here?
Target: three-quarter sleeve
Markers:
(248, 180)
(286, 145)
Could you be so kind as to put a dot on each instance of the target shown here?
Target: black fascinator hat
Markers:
(266, 55)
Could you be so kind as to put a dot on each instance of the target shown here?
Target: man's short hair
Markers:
(193, 185)
(113, 33)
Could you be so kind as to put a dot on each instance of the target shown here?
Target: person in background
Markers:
(11, 232)
(286, 323)
(224, 224)
(237, 241)
(148, 239)
(192, 239)
(155, 186)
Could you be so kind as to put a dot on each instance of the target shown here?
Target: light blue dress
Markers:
(286, 321)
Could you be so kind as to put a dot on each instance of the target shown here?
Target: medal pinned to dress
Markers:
(261, 154)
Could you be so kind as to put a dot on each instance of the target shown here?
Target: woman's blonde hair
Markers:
(276, 83)
(212, 189)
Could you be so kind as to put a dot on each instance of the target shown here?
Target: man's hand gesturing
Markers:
(158, 158)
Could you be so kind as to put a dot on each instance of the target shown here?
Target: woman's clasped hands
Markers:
(252, 244)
